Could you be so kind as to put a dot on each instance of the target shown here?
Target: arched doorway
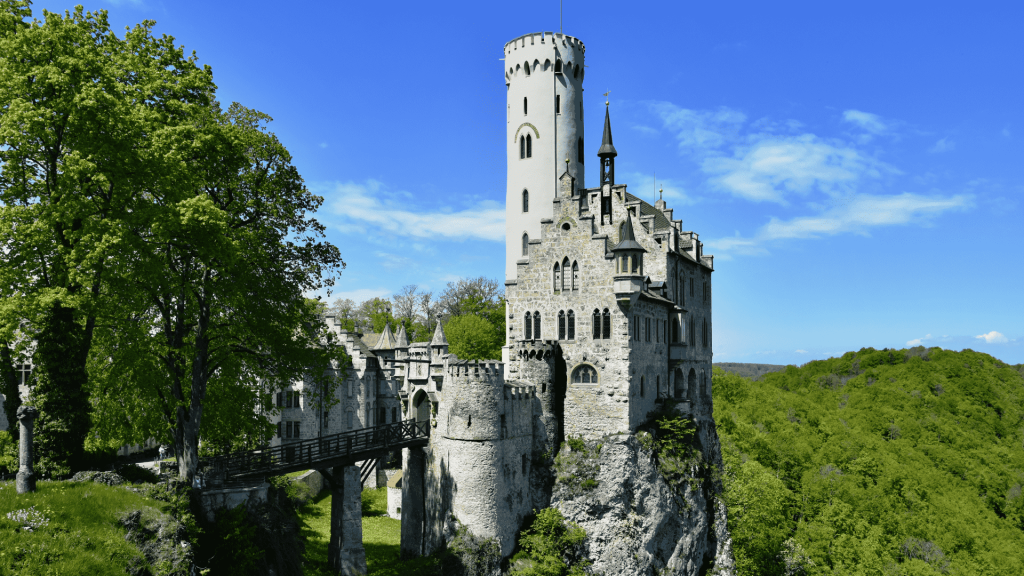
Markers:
(421, 407)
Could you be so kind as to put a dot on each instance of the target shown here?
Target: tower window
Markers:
(579, 150)
(575, 70)
(597, 324)
(566, 275)
(561, 324)
(526, 201)
(524, 105)
(558, 104)
(526, 244)
(575, 276)
(522, 147)
(606, 324)
(529, 146)
(528, 328)
(556, 283)
(558, 66)
(526, 67)
(570, 329)
(642, 387)
(584, 374)
(536, 325)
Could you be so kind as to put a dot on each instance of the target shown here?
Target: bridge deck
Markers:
(344, 449)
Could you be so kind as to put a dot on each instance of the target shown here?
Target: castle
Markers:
(609, 313)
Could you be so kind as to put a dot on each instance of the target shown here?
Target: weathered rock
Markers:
(637, 524)
(108, 478)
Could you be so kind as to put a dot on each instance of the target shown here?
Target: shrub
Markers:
(550, 546)
(8, 453)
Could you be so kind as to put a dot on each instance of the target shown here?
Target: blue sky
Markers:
(855, 167)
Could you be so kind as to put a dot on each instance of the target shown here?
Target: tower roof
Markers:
(386, 340)
(628, 241)
(401, 340)
(439, 339)
(607, 149)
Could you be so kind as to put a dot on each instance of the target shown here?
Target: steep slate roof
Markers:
(439, 339)
(401, 340)
(628, 241)
(660, 221)
(607, 148)
(387, 339)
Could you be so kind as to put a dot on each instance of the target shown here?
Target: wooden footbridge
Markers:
(343, 449)
(336, 458)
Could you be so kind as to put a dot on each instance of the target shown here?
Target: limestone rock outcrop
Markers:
(636, 523)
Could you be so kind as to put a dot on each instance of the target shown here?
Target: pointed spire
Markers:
(386, 340)
(402, 341)
(628, 240)
(607, 149)
(439, 339)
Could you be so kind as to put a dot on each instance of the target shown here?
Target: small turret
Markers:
(607, 152)
(387, 339)
(629, 261)
(401, 340)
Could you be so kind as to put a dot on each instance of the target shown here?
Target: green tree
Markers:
(550, 547)
(79, 110)
(471, 337)
(223, 257)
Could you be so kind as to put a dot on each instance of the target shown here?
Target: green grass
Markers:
(82, 535)
(295, 474)
(381, 537)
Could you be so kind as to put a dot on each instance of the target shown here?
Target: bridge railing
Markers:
(312, 451)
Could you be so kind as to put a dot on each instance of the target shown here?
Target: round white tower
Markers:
(544, 117)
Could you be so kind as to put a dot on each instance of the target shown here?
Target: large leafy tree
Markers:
(221, 259)
(79, 111)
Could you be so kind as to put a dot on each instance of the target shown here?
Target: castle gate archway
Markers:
(421, 407)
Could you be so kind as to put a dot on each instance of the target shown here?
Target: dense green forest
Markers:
(878, 462)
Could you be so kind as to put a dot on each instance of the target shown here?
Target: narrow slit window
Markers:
(606, 324)
(522, 147)
(529, 146)
(558, 104)
(524, 106)
(597, 324)
(526, 201)
(526, 244)
(579, 151)
(570, 328)
(561, 324)
(528, 328)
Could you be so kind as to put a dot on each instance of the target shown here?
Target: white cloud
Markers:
(767, 160)
(645, 187)
(917, 341)
(993, 337)
(943, 145)
(323, 144)
(361, 294)
(801, 351)
(856, 214)
(866, 121)
(370, 207)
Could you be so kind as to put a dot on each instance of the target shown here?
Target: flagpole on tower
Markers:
(560, 16)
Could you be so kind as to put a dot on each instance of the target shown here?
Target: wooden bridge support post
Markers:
(414, 468)
(345, 552)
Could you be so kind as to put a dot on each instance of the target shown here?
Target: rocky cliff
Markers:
(642, 513)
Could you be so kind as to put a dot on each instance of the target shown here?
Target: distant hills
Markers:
(752, 371)
(901, 462)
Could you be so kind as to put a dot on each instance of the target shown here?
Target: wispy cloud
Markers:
(943, 145)
(323, 144)
(801, 351)
(866, 121)
(371, 208)
(857, 214)
(766, 160)
(644, 186)
(917, 341)
(993, 337)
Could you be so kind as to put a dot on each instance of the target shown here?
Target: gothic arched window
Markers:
(579, 150)
(526, 244)
(584, 374)
(561, 324)
(566, 275)
(526, 201)
(536, 325)
(606, 324)
(528, 328)
(556, 283)
(570, 330)
(575, 276)
(529, 146)
(522, 147)
(526, 67)
(597, 324)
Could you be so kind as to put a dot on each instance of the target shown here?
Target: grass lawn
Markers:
(76, 529)
(381, 537)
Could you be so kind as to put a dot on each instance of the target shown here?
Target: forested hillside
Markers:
(748, 370)
(878, 462)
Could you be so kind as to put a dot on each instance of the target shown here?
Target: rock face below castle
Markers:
(636, 523)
